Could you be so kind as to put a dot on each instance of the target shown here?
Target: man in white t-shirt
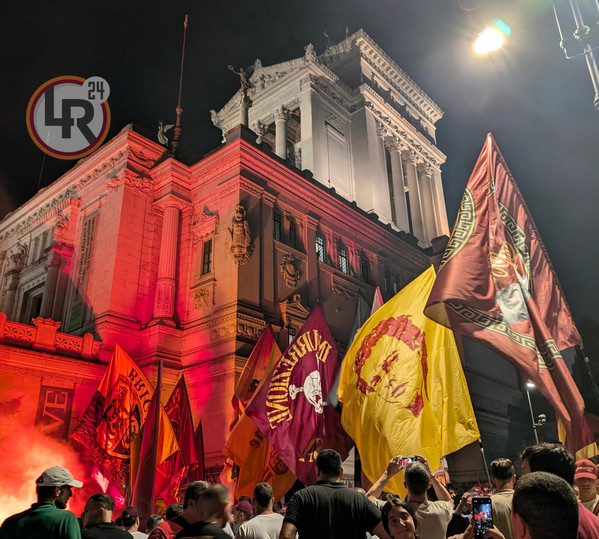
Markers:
(433, 516)
(266, 524)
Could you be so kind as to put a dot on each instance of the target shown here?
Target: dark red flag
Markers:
(289, 408)
(198, 471)
(496, 285)
(172, 474)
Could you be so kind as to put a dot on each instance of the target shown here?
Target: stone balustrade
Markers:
(44, 336)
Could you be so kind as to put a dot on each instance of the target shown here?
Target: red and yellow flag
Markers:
(496, 285)
(402, 387)
(114, 417)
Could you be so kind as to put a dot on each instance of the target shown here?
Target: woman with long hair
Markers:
(399, 519)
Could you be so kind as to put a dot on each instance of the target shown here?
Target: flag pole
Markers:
(580, 352)
(158, 391)
(482, 454)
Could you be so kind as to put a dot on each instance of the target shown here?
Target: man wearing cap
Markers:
(130, 518)
(47, 517)
(242, 512)
(585, 478)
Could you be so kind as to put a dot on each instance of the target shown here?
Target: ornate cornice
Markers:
(130, 179)
(395, 127)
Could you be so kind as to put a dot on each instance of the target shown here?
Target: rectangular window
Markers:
(319, 248)
(276, 226)
(292, 235)
(395, 284)
(364, 268)
(343, 266)
(207, 257)
(386, 281)
(291, 335)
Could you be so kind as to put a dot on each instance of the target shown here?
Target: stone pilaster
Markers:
(164, 303)
(267, 242)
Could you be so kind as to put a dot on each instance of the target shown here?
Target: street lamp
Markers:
(580, 39)
(491, 38)
(542, 419)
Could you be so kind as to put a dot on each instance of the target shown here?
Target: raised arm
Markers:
(392, 468)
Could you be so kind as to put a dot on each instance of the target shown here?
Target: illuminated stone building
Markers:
(335, 189)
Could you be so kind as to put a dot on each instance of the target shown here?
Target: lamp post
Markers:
(581, 39)
(542, 419)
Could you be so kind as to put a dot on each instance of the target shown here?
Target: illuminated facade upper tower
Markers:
(188, 263)
(359, 123)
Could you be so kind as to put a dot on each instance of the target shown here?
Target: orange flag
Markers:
(111, 423)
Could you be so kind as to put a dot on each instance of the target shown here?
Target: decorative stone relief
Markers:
(290, 271)
(16, 258)
(60, 229)
(201, 298)
(239, 241)
(129, 178)
(343, 291)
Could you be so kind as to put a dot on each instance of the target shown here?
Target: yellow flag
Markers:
(402, 386)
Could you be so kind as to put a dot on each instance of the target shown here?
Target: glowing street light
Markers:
(542, 419)
(492, 38)
(488, 40)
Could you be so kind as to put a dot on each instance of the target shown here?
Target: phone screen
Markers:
(406, 460)
(482, 512)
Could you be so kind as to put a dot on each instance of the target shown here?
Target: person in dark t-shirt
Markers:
(330, 509)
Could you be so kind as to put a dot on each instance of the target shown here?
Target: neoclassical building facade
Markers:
(326, 185)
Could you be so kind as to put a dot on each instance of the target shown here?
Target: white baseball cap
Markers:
(57, 477)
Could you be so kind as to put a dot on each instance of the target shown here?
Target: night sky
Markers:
(537, 104)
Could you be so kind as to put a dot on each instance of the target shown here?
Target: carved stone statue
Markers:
(244, 78)
(289, 270)
(162, 129)
(239, 242)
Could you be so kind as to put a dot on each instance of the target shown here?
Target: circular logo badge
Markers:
(68, 117)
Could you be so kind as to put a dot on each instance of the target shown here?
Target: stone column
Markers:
(52, 268)
(399, 189)
(414, 195)
(439, 203)
(164, 303)
(281, 117)
(312, 265)
(425, 173)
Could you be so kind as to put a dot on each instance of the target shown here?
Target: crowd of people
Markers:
(555, 498)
